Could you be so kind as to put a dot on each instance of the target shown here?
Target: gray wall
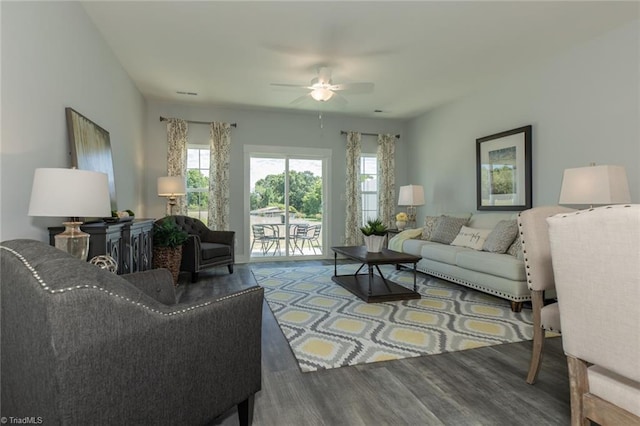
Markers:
(53, 57)
(583, 105)
(260, 127)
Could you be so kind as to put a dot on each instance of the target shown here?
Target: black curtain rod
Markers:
(197, 122)
(343, 132)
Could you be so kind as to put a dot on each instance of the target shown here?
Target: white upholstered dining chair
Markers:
(596, 263)
(534, 236)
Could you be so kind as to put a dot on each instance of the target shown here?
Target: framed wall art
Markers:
(503, 170)
(90, 148)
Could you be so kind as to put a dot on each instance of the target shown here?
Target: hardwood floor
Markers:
(484, 386)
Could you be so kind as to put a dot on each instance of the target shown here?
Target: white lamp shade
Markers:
(595, 185)
(411, 195)
(70, 193)
(169, 186)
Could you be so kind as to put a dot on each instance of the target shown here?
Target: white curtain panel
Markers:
(218, 208)
(387, 178)
(177, 158)
(353, 220)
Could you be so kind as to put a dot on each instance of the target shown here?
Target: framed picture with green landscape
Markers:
(503, 170)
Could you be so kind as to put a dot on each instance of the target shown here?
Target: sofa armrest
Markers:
(157, 283)
(398, 240)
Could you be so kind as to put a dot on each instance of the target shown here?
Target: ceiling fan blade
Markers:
(354, 87)
(338, 99)
(296, 86)
(301, 99)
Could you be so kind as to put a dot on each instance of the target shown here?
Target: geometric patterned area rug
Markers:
(328, 327)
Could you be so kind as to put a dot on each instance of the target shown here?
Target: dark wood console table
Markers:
(130, 243)
(371, 287)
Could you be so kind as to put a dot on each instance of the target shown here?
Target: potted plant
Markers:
(374, 235)
(167, 246)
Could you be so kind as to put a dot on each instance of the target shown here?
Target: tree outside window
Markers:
(369, 186)
(198, 182)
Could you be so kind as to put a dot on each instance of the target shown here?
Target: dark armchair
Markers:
(81, 345)
(205, 248)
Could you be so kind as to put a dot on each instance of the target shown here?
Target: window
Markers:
(198, 182)
(369, 186)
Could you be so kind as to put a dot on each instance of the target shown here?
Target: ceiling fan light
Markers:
(321, 94)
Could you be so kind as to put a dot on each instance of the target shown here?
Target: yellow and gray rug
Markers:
(328, 327)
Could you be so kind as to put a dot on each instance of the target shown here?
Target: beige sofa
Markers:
(499, 274)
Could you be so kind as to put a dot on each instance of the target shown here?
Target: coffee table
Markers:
(372, 287)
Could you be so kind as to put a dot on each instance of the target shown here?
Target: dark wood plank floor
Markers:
(484, 386)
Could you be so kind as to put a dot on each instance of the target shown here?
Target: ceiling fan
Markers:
(322, 88)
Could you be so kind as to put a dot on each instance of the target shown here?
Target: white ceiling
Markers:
(418, 54)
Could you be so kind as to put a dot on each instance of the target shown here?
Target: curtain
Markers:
(387, 181)
(218, 209)
(177, 158)
(353, 221)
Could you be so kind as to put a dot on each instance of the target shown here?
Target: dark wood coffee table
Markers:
(372, 287)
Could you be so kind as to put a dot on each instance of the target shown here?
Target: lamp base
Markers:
(411, 217)
(73, 240)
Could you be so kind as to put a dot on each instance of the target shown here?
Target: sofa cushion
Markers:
(501, 237)
(515, 249)
(501, 265)
(447, 228)
(441, 252)
(473, 238)
(427, 229)
(212, 250)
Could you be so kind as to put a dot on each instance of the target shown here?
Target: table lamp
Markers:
(411, 196)
(600, 185)
(70, 193)
(171, 187)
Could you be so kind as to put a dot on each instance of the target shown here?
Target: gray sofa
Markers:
(500, 274)
(81, 345)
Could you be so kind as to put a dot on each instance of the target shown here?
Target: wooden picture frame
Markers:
(503, 170)
(90, 148)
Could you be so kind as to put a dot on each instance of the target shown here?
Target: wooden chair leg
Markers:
(245, 411)
(536, 354)
(578, 386)
(537, 301)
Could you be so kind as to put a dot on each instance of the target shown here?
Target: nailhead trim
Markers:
(48, 289)
(473, 285)
(577, 212)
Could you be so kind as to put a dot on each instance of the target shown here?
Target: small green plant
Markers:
(168, 234)
(374, 227)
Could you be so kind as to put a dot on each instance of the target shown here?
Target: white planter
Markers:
(374, 243)
(401, 224)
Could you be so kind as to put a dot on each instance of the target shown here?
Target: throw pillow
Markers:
(447, 228)
(429, 224)
(515, 249)
(471, 237)
(501, 237)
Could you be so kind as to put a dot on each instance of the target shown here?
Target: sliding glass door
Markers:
(286, 201)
